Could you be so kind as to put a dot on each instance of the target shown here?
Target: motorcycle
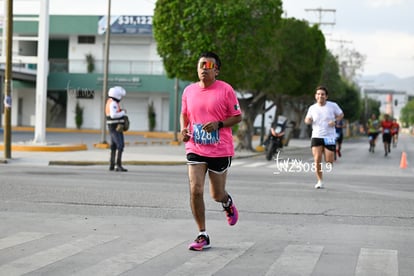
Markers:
(275, 138)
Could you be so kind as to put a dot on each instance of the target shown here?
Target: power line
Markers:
(320, 12)
(342, 43)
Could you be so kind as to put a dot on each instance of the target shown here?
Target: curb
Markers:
(50, 148)
(94, 163)
(80, 147)
(146, 134)
(131, 162)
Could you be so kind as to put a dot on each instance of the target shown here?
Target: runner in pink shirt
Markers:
(210, 104)
(209, 109)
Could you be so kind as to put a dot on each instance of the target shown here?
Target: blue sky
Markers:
(382, 30)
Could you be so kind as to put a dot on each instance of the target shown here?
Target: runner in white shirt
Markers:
(322, 115)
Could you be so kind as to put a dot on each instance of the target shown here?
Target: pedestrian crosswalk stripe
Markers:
(372, 262)
(272, 166)
(237, 163)
(246, 164)
(281, 164)
(128, 260)
(49, 256)
(20, 238)
(297, 260)
(212, 260)
(256, 164)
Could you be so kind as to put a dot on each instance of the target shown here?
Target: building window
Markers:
(86, 39)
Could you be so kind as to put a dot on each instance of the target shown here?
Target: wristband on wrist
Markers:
(220, 124)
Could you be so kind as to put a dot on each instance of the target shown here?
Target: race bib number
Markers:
(386, 130)
(201, 136)
(329, 141)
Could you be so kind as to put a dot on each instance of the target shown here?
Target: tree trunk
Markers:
(251, 108)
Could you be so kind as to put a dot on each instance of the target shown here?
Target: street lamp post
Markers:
(106, 69)
(42, 73)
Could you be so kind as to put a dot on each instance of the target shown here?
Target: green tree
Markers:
(183, 29)
(349, 101)
(301, 58)
(90, 63)
(369, 106)
(331, 77)
(151, 116)
(301, 52)
(341, 90)
(288, 69)
(407, 114)
(78, 115)
(263, 55)
(260, 58)
(239, 31)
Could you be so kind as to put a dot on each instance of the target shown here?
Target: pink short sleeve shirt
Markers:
(201, 105)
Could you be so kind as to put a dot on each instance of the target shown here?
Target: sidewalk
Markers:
(140, 149)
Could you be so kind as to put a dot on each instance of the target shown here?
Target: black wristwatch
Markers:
(220, 124)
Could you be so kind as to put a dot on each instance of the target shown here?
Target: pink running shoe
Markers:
(231, 213)
(200, 243)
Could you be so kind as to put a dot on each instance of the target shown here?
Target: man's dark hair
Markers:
(321, 87)
(212, 55)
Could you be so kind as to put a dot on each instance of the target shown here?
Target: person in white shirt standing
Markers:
(115, 119)
(322, 115)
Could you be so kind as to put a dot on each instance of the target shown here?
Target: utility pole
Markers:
(343, 57)
(41, 59)
(8, 80)
(320, 12)
(341, 43)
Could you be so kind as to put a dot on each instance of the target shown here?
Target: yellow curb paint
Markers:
(175, 143)
(127, 163)
(141, 143)
(101, 146)
(260, 148)
(52, 148)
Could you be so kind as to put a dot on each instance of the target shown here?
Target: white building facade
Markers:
(76, 65)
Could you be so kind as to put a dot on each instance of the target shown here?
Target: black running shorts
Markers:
(316, 142)
(214, 164)
(386, 138)
(372, 135)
